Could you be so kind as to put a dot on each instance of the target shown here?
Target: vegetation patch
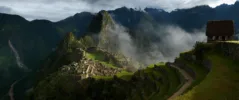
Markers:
(103, 58)
(139, 85)
(200, 72)
(158, 64)
(220, 84)
(171, 82)
(125, 75)
(103, 77)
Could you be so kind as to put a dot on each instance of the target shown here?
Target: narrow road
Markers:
(11, 91)
(20, 65)
(186, 85)
(18, 59)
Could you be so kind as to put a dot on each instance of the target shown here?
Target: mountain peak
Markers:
(82, 14)
(99, 22)
(67, 41)
(70, 36)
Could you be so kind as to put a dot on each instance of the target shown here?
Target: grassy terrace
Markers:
(100, 57)
(220, 84)
(152, 75)
(122, 75)
(200, 72)
(103, 77)
(125, 75)
(171, 82)
(237, 42)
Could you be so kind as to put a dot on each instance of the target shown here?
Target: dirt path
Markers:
(11, 91)
(18, 59)
(20, 65)
(187, 84)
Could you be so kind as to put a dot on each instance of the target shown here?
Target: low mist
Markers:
(172, 40)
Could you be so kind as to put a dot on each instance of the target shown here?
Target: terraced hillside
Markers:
(221, 61)
(92, 73)
(92, 68)
(154, 83)
(82, 69)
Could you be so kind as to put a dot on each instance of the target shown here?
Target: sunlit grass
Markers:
(237, 42)
(100, 58)
(158, 64)
(103, 77)
(171, 83)
(125, 75)
(95, 56)
(174, 79)
(199, 71)
(220, 84)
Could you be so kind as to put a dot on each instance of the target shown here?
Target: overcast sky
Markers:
(55, 10)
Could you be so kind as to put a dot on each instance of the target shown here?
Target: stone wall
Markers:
(184, 66)
(230, 50)
(227, 49)
(90, 68)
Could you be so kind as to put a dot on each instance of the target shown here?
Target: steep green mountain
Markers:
(90, 68)
(108, 36)
(143, 84)
(220, 61)
(35, 40)
(188, 19)
(77, 24)
(89, 56)
(95, 78)
(127, 17)
(8, 70)
(8, 67)
(156, 82)
(30, 39)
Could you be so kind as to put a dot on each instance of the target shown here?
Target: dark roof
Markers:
(220, 28)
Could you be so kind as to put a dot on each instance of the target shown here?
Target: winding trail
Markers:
(20, 65)
(18, 59)
(11, 91)
(186, 85)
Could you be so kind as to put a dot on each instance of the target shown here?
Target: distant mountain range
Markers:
(35, 40)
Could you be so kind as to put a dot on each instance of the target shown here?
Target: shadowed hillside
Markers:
(91, 68)
(44, 48)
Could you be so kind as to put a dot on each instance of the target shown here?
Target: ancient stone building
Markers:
(220, 30)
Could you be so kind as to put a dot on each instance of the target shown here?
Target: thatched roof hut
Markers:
(220, 28)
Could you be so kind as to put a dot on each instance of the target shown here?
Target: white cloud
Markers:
(173, 41)
(55, 10)
(5, 9)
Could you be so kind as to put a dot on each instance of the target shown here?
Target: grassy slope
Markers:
(97, 56)
(125, 75)
(220, 84)
(199, 71)
(171, 80)
(122, 75)
(100, 58)
(171, 83)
